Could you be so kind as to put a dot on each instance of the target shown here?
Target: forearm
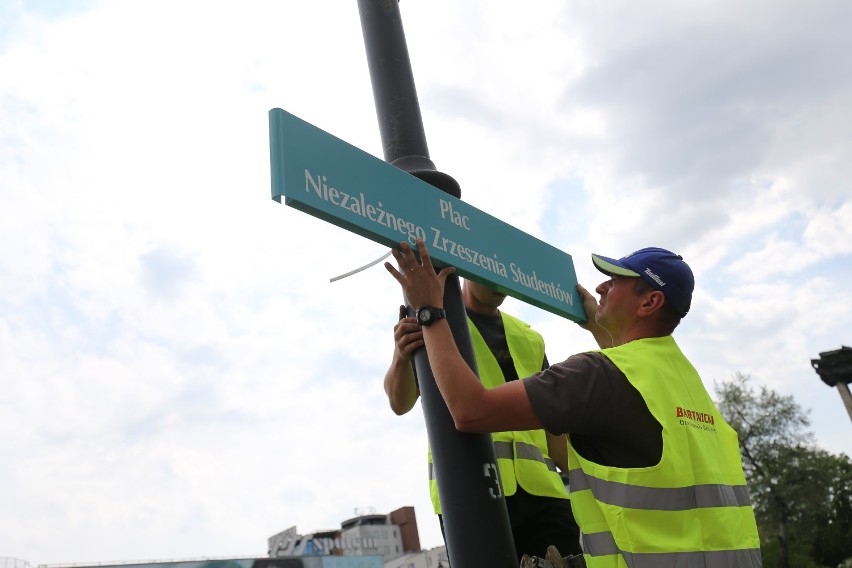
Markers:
(473, 407)
(401, 386)
(460, 388)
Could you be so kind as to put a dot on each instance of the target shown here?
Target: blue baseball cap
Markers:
(661, 268)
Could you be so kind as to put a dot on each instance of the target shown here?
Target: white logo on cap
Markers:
(656, 278)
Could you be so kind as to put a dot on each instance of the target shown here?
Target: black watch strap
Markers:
(427, 315)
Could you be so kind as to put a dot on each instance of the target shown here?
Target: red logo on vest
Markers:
(695, 415)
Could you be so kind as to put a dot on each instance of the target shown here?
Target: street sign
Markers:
(330, 179)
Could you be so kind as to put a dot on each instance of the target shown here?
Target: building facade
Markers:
(432, 558)
(291, 562)
(388, 536)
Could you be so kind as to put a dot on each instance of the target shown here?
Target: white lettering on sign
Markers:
(456, 218)
(358, 205)
(552, 289)
(374, 212)
(457, 250)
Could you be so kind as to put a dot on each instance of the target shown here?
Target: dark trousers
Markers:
(538, 522)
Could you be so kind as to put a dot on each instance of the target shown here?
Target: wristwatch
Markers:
(427, 315)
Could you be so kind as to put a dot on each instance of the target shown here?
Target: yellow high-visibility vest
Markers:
(521, 456)
(690, 510)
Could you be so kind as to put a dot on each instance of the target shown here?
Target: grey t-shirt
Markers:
(589, 398)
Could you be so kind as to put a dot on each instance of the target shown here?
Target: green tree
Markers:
(802, 494)
(833, 523)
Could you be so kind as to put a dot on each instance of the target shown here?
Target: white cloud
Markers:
(829, 231)
(179, 375)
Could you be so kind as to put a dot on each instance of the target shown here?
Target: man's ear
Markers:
(652, 302)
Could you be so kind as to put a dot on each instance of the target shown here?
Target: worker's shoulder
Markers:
(516, 320)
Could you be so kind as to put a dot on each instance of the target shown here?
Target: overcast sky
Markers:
(178, 378)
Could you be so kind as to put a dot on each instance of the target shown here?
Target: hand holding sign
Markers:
(421, 285)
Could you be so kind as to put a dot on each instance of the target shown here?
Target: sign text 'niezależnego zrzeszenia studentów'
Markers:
(328, 178)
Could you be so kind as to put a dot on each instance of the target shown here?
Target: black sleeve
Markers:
(572, 396)
(589, 398)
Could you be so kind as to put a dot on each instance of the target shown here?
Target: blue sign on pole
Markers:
(330, 179)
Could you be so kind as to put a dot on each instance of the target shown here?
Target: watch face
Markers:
(427, 315)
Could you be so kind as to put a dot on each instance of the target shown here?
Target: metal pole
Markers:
(846, 396)
(476, 523)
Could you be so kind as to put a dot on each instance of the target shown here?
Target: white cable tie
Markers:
(365, 267)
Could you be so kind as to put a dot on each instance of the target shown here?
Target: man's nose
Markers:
(604, 287)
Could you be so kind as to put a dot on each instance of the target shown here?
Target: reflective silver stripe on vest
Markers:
(602, 544)
(659, 498)
(525, 452)
(503, 450)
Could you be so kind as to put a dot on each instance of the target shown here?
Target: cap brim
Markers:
(610, 266)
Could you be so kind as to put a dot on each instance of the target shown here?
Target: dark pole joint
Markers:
(834, 366)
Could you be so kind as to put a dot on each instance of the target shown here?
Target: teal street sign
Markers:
(330, 179)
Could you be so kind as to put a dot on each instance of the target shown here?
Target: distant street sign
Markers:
(330, 179)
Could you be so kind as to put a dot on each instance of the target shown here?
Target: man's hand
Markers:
(421, 285)
(590, 305)
(407, 335)
(400, 382)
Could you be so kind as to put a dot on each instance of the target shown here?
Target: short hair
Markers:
(669, 316)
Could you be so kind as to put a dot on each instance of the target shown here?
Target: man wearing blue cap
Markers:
(655, 472)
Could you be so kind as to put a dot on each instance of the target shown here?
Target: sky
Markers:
(179, 378)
